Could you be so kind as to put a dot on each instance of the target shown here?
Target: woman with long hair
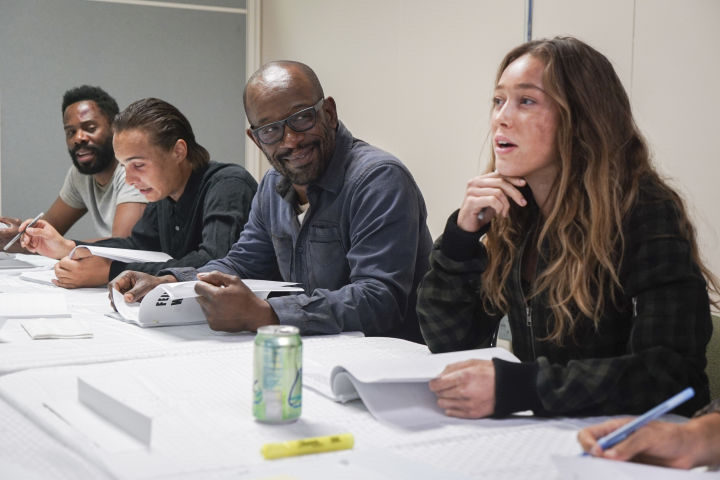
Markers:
(575, 237)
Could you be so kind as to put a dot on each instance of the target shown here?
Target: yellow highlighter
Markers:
(330, 443)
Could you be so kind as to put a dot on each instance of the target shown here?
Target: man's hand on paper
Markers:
(45, 240)
(229, 305)
(135, 285)
(466, 389)
(83, 270)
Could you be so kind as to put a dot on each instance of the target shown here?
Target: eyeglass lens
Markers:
(300, 122)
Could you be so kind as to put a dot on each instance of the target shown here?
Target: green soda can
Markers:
(277, 382)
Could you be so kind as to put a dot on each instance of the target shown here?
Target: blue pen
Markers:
(623, 432)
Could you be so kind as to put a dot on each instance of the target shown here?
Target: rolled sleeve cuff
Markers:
(183, 274)
(116, 268)
(296, 310)
(516, 388)
(459, 245)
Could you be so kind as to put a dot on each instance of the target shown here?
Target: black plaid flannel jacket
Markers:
(647, 348)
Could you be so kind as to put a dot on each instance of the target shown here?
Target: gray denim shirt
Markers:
(359, 254)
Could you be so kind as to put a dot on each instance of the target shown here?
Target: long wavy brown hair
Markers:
(603, 160)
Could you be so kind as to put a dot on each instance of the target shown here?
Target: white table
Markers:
(200, 382)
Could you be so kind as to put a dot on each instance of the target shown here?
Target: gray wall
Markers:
(192, 59)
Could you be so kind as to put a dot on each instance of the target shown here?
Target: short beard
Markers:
(104, 156)
(325, 147)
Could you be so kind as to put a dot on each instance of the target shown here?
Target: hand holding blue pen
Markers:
(623, 432)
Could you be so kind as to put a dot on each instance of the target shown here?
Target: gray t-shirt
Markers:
(82, 191)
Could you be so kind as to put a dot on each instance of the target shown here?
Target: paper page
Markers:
(258, 287)
(406, 405)
(129, 312)
(353, 465)
(36, 260)
(495, 449)
(43, 277)
(590, 468)
(33, 305)
(181, 289)
(101, 432)
(56, 328)
(29, 453)
(271, 286)
(418, 369)
(159, 308)
(29, 262)
(10, 262)
(124, 254)
(316, 352)
(396, 391)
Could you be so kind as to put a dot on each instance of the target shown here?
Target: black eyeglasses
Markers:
(299, 121)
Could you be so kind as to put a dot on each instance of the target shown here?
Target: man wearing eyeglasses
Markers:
(335, 214)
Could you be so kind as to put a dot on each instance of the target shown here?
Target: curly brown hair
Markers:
(603, 161)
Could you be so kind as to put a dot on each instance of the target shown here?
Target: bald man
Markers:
(335, 214)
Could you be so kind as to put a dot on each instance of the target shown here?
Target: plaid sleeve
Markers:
(449, 308)
(671, 326)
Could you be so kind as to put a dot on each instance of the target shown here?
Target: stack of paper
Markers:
(48, 328)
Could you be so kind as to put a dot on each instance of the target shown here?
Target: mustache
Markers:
(284, 153)
(85, 146)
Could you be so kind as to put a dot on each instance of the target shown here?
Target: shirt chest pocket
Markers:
(327, 256)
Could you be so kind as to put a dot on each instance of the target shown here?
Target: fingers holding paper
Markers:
(229, 305)
(43, 239)
(466, 389)
(135, 285)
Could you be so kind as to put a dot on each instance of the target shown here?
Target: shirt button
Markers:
(177, 228)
